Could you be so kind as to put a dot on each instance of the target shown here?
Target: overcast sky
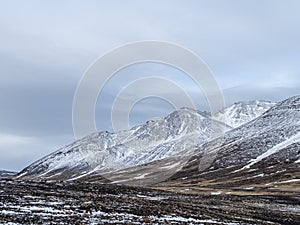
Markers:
(251, 46)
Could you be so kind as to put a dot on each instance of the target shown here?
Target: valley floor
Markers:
(23, 202)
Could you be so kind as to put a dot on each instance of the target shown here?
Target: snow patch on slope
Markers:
(276, 148)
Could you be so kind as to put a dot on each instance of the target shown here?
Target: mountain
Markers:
(194, 174)
(262, 153)
(161, 145)
(106, 152)
(242, 112)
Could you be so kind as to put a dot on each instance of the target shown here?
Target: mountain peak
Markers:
(243, 112)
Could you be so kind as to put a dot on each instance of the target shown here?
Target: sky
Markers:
(252, 47)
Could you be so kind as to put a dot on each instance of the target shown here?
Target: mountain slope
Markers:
(106, 152)
(262, 151)
(173, 138)
(265, 151)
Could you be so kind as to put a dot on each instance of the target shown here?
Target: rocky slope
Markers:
(262, 153)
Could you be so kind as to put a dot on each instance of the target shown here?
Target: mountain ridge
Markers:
(175, 134)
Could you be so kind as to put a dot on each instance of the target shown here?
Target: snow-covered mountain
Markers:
(243, 112)
(276, 126)
(266, 149)
(182, 133)
(175, 134)
(262, 151)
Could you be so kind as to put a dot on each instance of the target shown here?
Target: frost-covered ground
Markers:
(82, 203)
